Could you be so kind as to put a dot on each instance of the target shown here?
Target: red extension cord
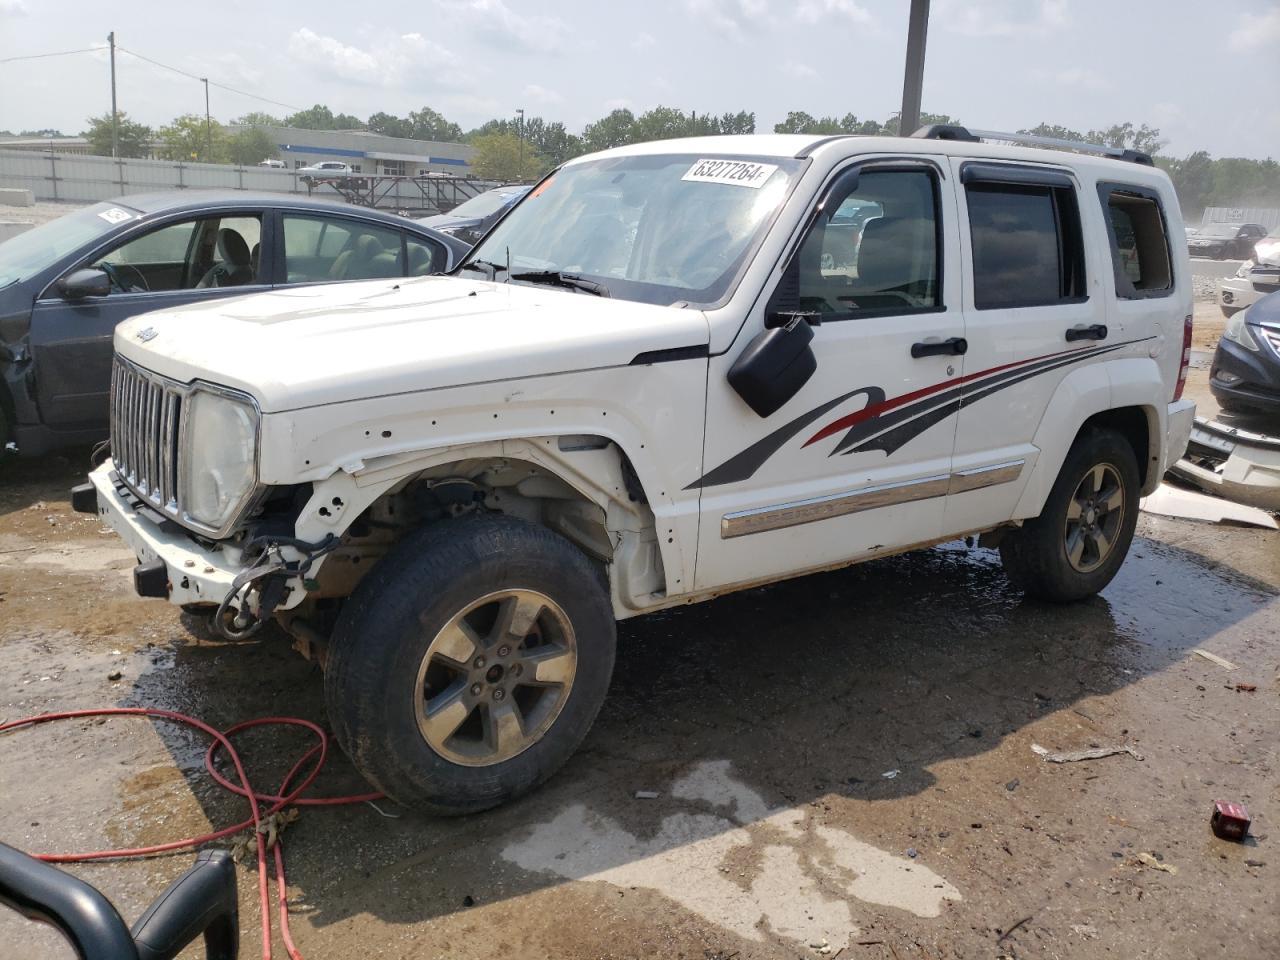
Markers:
(285, 798)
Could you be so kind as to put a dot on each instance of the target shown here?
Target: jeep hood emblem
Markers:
(147, 333)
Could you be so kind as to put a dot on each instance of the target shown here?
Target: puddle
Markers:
(750, 869)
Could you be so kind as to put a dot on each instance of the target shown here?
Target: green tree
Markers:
(321, 117)
(256, 118)
(389, 125)
(498, 157)
(187, 138)
(614, 130)
(250, 145)
(134, 138)
(1054, 131)
(428, 124)
(1127, 136)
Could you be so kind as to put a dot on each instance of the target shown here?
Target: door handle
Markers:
(951, 347)
(1097, 331)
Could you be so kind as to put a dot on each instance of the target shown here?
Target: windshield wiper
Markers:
(487, 267)
(556, 278)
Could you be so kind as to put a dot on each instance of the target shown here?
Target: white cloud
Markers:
(399, 60)
(494, 21)
(731, 17)
(1260, 31)
(1000, 18)
(540, 94)
(811, 11)
(1074, 78)
(13, 8)
(643, 41)
(801, 71)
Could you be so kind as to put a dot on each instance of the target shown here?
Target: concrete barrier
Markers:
(17, 197)
(11, 228)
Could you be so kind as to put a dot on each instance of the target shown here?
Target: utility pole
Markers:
(209, 129)
(913, 81)
(115, 117)
(520, 133)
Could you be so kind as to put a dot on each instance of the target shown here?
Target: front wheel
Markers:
(1077, 544)
(470, 663)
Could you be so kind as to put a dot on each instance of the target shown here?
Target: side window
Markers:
(875, 249)
(325, 249)
(424, 257)
(1139, 243)
(154, 262)
(193, 254)
(1026, 245)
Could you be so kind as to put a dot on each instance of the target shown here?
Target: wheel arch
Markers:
(1120, 395)
(584, 487)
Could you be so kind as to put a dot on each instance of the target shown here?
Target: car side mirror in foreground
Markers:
(775, 365)
(201, 901)
(85, 282)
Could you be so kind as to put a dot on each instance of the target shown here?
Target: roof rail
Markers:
(951, 131)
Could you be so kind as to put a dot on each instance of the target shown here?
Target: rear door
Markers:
(1034, 311)
(854, 463)
(157, 267)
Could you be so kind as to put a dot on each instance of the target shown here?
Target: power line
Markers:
(212, 83)
(60, 53)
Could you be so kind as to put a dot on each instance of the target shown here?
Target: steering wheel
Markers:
(116, 280)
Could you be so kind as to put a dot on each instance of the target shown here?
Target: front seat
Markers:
(236, 268)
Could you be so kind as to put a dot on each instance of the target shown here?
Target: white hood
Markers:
(302, 346)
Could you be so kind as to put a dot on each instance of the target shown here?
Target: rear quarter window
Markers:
(1139, 240)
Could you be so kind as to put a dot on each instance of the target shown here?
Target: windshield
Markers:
(1219, 230)
(29, 253)
(651, 228)
(491, 201)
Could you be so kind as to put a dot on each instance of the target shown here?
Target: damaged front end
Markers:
(1234, 463)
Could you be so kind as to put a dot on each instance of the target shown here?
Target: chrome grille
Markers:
(1272, 335)
(146, 421)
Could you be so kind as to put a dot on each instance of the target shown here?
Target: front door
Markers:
(164, 266)
(855, 463)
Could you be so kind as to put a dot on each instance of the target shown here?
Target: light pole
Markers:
(913, 80)
(208, 128)
(520, 134)
(115, 117)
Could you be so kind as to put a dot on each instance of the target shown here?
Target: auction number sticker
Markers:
(115, 215)
(738, 173)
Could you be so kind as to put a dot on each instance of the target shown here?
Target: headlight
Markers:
(1243, 272)
(219, 462)
(1237, 331)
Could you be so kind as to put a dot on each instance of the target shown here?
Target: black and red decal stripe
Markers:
(889, 423)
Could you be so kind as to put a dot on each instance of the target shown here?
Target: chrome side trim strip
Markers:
(761, 519)
(978, 477)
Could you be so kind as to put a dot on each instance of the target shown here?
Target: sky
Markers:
(1206, 72)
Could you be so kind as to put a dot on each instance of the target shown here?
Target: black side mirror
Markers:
(85, 282)
(201, 901)
(774, 366)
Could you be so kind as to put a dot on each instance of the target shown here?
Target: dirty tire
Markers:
(1035, 557)
(386, 629)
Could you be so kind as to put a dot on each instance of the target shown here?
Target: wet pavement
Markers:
(843, 765)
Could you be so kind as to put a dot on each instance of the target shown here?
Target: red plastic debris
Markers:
(1230, 821)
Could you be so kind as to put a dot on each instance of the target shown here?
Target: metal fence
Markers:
(86, 179)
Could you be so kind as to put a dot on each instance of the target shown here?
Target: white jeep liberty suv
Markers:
(673, 370)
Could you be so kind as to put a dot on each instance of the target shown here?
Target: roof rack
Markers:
(951, 131)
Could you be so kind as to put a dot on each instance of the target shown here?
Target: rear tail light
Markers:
(1186, 358)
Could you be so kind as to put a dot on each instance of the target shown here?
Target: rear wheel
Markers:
(1076, 545)
(470, 664)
